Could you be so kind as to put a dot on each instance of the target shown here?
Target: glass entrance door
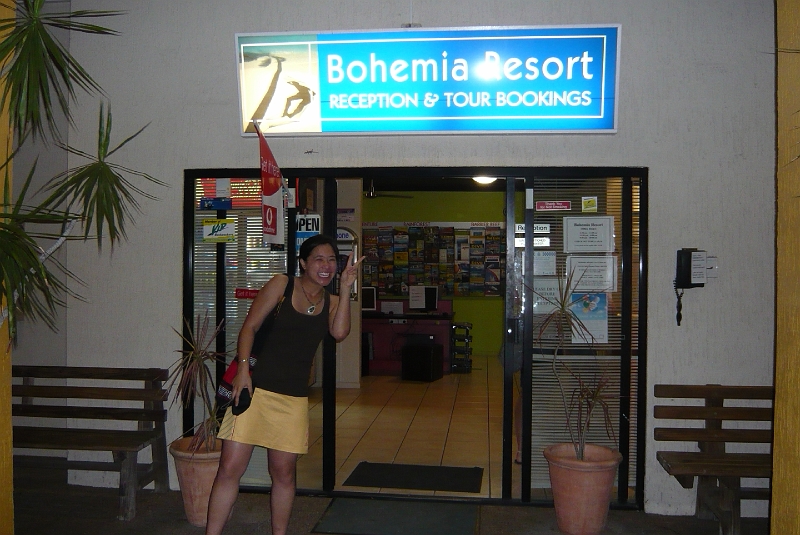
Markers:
(583, 251)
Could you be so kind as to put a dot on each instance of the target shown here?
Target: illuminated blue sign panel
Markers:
(552, 79)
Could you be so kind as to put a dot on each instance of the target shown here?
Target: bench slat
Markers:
(682, 412)
(82, 439)
(89, 413)
(718, 473)
(714, 391)
(713, 435)
(718, 465)
(753, 493)
(89, 392)
(90, 372)
(145, 472)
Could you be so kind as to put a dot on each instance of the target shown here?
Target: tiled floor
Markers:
(454, 421)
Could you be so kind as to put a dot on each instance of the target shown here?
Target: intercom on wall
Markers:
(690, 272)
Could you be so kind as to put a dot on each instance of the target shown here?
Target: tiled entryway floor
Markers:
(454, 421)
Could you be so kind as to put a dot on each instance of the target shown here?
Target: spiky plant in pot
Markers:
(583, 402)
(192, 378)
(581, 474)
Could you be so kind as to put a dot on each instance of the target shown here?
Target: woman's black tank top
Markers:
(284, 363)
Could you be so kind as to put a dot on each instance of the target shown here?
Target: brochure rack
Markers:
(460, 350)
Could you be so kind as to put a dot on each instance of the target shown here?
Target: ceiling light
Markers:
(484, 179)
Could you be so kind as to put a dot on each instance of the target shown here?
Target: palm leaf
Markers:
(35, 65)
(99, 189)
(30, 286)
(40, 81)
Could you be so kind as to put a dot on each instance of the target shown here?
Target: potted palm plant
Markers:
(581, 474)
(197, 453)
(40, 79)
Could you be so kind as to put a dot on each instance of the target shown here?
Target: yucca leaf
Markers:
(115, 149)
(35, 65)
(584, 400)
(28, 284)
(99, 189)
(40, 80)
(192, 378)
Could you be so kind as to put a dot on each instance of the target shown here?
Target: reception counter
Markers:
(385, 335)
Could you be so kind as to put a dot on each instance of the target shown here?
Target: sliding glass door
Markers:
(583, 243)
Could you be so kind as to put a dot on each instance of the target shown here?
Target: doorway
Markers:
(504, 478)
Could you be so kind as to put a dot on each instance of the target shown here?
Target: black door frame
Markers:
(436, 179)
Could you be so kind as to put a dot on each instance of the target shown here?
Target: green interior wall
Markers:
(485, 313)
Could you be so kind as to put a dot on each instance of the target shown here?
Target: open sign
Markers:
(308, 223)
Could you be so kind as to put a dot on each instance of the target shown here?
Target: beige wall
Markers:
(785, 494)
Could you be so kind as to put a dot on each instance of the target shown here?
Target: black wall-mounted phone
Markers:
(690, 269)
(690, 272)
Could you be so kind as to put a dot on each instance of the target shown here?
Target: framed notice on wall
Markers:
(593, 273)
(589, 234)
(592, 311)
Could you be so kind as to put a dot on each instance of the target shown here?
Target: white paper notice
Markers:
(544, 263)
(593, 273)
(416, 297)
(391, 307)
(545, 295)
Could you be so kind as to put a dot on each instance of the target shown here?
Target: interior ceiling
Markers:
(426, 183)
(396, 183)
(400, 179)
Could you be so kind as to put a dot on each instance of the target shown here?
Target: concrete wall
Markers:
(696, 107)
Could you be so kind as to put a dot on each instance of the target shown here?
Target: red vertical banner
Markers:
(271, 193)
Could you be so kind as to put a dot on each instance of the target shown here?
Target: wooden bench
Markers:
(63, 408)
(724, 421)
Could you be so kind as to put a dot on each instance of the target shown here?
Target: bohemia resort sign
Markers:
(550, 79)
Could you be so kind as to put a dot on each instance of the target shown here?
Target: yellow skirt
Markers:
(273, 421)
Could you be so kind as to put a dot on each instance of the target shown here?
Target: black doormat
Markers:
(416, 476)
(357, 516)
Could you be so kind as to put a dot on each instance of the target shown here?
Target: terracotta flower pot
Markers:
(196, 473)
(582, 489)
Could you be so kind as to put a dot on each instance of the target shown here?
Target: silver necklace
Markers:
(313, 307)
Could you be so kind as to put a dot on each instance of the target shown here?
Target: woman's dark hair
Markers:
(313, 242)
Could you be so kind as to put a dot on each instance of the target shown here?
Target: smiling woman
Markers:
(277, 417)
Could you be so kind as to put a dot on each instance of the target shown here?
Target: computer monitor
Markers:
(424, 298)
(369, 298)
